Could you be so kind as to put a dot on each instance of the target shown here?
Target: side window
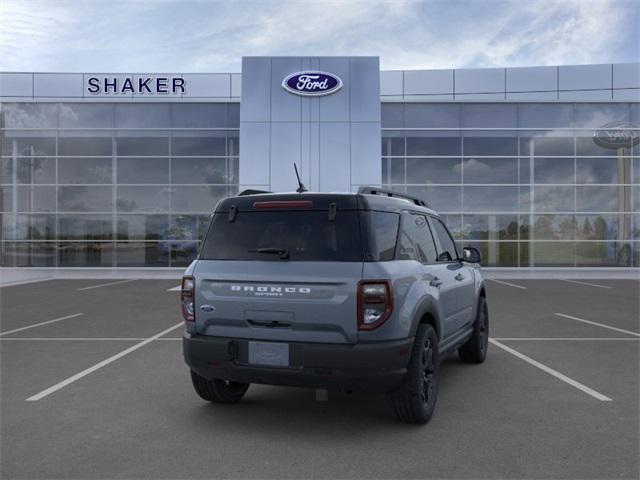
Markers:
(448, 251)
(384, 233)
(416, 242)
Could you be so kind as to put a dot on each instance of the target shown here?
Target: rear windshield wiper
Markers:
(283, 253)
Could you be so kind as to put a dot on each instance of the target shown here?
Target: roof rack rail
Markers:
(391, 193)
(250, 191)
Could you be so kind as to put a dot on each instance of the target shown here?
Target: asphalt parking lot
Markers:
(94, 386)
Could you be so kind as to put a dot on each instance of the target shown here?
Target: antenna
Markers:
(301, 188)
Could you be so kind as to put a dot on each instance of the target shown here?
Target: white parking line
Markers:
(41, 323)
(561, 339)
(551, 371)
(107, 284)
(598, 324)
(175, 289)
(584, 283)
(97, 366)
(507, 283)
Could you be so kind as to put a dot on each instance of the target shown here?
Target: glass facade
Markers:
(133, 184)
(524, 183)
(112, 184)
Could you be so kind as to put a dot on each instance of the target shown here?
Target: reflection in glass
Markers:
(200, 115)
(143, 199)
(197, 199)
(201, 170)
(433, 170)
(189, 227)
(84, 199)
(28, 254)
(85, 227)
(142, 115)
(601, 170)
(542, 144)
(30, 115)
(554, 227)
(603, 198)
(553, 199)
(84, 170)
(553, 170)
(442, 199)
(36, 227)
(36, 170)
(552, 254)
(36, 198)
(602, 226)
(143, 227)
(481, 145)
(80, 254)
(606, 254)
(392, 115)
(85, 146)
(392, 143)
(490, 199)
(488, 115)
(183, 253)
(490, 227)
(86, 115)
(428, 144)
(142, 146)
(139, 254)
(490, 170)
(497, 254)
(212, 144)
(431, 115)
(545, 115)
(395, 170)
(585, 146)
(37, 145)
(143, 170)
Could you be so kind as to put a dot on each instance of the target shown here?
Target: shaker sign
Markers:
(312, 83)
(617, 135)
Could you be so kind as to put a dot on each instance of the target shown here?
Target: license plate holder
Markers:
(269, 354)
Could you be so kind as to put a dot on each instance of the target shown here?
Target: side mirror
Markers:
(471, 255)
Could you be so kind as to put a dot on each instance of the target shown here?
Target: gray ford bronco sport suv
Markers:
(342, 291)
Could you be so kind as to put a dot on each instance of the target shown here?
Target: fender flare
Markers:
(427, 306)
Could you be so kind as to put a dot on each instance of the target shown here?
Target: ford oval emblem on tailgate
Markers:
(207, 308)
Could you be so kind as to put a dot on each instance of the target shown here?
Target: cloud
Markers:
(212, 36)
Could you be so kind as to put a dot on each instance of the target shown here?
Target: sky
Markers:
(212, 36)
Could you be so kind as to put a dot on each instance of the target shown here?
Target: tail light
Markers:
(186, 298)
(375, 303)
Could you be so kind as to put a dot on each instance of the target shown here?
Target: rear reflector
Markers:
(284, 204)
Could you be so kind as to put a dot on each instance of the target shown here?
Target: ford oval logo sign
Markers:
(312, 83)
(617, 135)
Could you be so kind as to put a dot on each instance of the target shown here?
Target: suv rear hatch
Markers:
(282, 268)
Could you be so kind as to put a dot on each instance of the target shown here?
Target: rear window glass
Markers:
(304, 235)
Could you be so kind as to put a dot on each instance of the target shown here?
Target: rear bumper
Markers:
(375, 367)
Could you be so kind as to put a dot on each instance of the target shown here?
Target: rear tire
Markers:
(218, 391)
(475, 349)
(415, 400)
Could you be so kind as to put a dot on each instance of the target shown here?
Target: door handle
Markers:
(435, 282)
(459, 277)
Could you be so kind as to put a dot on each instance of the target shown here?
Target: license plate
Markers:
(269, 353)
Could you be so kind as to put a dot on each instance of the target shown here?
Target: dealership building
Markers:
(535, 166)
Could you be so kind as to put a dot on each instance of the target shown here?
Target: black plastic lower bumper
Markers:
(376, 367)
